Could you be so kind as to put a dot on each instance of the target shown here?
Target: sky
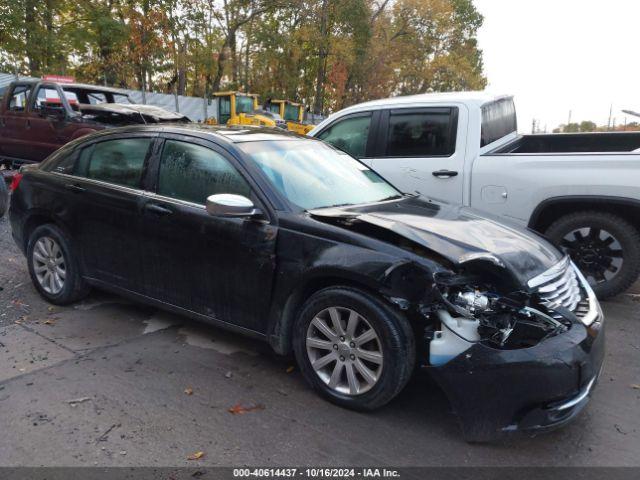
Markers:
(557, 56)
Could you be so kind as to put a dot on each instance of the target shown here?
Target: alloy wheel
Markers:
(344, 350)
(595, 251)
(49, 265)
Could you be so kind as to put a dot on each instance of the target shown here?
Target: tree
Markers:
(327, 53)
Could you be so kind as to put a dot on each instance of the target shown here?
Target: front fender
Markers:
(308, 264)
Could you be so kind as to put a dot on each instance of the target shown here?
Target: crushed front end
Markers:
(513, 359)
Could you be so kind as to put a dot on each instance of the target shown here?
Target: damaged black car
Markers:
(290, 240)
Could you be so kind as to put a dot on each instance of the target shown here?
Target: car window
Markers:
(47, 96)
(121, 98)
(96, 98)
(423, 133)
(19, 98)
(349, 135)
(120, 161)
(192, 172)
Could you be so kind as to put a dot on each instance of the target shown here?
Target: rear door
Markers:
(106, 188)
(218, 267)
(13, 124)
(421, 149)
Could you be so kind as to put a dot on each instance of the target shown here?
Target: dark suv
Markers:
(287, 239)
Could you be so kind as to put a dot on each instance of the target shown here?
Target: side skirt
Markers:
(175, 309)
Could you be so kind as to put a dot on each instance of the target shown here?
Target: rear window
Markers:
(498, 120)
(422, 133)
(120, 161)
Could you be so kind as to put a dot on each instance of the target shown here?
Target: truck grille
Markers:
(560, 287)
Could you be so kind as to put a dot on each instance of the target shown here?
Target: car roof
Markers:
(229, 134)
(478, 98)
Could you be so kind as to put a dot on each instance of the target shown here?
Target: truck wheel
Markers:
(53, 267)
(352, 348)
(4, 196)
(605, 247)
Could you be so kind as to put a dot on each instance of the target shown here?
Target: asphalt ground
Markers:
(110, 383)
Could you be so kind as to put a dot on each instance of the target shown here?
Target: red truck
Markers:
(39, 116)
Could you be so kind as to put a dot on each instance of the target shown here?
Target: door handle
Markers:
(74, 188)
(444, 173)
(157, 209)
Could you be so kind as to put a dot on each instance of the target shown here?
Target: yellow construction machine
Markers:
(238, 108)
(292, 113)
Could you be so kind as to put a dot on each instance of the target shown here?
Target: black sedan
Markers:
(287, 239)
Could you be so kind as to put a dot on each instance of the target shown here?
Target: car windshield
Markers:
(313, 175)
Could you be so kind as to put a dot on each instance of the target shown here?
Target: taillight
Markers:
(15, 182)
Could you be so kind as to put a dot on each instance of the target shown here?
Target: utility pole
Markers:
(569, 119)
(610, 113)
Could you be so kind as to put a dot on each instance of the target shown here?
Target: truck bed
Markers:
(573, 143)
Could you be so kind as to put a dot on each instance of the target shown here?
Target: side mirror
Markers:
(54, 112)
(230, 205)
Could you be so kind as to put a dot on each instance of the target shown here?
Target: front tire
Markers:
(53, 267)
(605, 247)
(352, 348)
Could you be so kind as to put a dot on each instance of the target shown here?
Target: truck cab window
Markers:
(349, 135)
(47, 97)
(193, 172)
(19, 98)
(427, 133)
(72, 98)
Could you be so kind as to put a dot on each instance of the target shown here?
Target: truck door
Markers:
(48, 132)
(351, 134)
(417, 150)
(15, 140)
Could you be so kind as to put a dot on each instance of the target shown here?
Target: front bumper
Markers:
(533, 389)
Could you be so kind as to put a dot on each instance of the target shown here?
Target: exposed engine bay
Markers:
(504, 319)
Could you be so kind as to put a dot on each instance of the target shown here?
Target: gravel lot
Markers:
(110, 383)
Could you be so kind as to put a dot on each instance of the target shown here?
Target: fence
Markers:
(196, 108)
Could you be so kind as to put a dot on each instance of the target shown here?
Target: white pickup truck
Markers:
(582, 191)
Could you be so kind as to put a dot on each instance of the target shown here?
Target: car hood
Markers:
(149, 112)
(456, 233)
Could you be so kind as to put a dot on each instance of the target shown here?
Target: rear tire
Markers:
(53, 266)
(363, 374)
(605, 247)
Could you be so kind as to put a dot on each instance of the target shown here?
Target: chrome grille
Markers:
(560, 287)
